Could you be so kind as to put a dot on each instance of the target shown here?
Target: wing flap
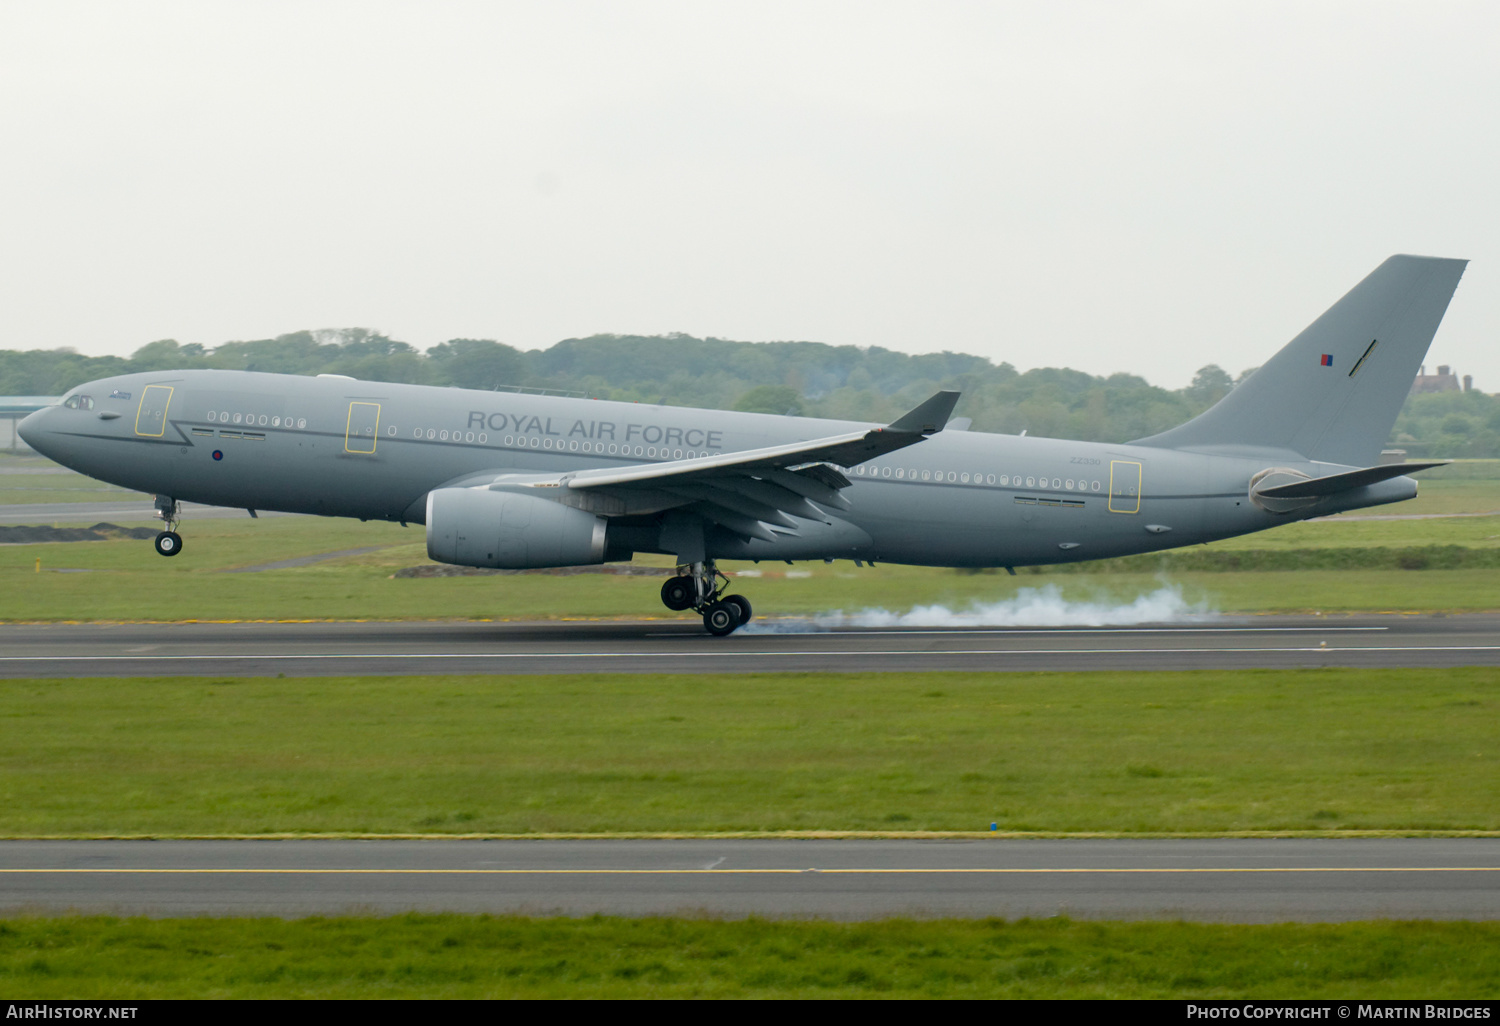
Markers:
(747, 526)
(732, 501)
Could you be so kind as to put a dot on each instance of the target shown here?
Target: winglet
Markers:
(929, 418)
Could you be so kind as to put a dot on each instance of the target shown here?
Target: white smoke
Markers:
(1030, 607)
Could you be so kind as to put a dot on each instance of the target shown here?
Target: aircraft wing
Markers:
(753, 492)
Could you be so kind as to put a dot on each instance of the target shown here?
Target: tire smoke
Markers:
(1030, 607)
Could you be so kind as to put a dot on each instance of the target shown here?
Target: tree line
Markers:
(798, 378)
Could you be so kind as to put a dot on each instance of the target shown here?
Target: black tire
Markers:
(744, 606)
(169, 543)
(721, 618)
(679, 593)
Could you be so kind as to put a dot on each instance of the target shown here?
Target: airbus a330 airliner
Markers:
(529, 481)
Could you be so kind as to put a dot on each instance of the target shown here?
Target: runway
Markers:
(127, 510)
(1221, 880)
(676, 646)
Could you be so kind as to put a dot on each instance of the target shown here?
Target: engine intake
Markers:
(510, 530)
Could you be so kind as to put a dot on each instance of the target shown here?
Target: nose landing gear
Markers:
(168, 542)
(697, 587)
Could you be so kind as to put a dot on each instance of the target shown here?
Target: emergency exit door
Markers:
(151, 414)
(1124, 486)
(364, 422)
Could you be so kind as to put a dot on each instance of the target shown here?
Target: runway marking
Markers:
(1117, 870)
(1041, 630)
(722, 653)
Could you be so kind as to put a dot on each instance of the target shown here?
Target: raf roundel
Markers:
(218, 455)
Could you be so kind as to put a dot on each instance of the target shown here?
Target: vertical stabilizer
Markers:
(1334, 391)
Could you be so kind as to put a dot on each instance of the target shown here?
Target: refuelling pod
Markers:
(510, 530)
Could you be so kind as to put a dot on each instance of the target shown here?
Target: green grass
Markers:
(34, 479)
(1464, 470)
(448, 956)
(125, 579)
(1194, 753)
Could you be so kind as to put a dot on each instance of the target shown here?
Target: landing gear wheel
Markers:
(169, 543)
(721, 618)
(744, 605)
(679, 593)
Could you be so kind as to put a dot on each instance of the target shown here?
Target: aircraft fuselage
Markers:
(340, 447)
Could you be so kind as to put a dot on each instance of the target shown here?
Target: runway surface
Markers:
(666, 646)
(127, 509)
(1206, 880)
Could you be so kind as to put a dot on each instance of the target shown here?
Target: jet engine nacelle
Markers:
(510, 530)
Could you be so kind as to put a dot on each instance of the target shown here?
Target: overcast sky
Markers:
(1142, 187)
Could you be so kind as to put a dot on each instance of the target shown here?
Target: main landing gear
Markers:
(168, 542)
(697, 587)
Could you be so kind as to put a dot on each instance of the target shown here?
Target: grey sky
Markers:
(1105, 186)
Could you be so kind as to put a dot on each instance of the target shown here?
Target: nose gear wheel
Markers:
(168, 542)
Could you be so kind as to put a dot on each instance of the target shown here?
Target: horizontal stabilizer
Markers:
(1333, 484)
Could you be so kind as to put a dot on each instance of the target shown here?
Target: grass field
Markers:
(117, 580)
(488, 957)
(1192, 753)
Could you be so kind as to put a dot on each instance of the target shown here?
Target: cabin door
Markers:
(1124, 486)
(151, 414)
(363, 423)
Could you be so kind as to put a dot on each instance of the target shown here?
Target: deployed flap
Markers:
(1335, 483)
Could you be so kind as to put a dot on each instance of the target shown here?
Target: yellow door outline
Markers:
(361, 439)
(141, 408)
(1131, 490)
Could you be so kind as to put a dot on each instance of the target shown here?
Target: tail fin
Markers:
(1334, 391)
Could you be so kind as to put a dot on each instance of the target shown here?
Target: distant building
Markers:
(14, 408)
(1443, 381)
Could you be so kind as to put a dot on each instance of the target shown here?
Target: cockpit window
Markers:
(79, 402)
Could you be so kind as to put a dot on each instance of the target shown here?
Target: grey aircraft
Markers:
(518, 481)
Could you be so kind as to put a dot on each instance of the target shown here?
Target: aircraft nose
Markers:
(33, 431)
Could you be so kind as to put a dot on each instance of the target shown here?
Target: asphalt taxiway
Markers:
(678, 646)
(1216, 880)
(129, 508)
